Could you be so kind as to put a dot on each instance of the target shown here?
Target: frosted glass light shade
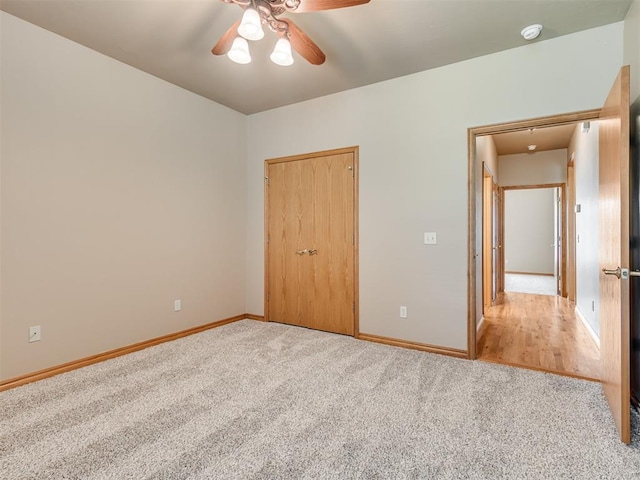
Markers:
(282, 53)
(239, 52)
(251, 25)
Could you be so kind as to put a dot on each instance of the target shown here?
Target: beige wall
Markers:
(1, 150)
(412, 133)
(486, 153)
(632, 47)
(585, 147)
(538, 168)
(120, 193)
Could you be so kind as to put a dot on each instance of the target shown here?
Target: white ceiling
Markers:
(172, 39)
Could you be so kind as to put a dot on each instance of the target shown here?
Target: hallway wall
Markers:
(585, 146)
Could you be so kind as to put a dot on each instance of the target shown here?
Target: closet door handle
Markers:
(302, 252)
(313, 251)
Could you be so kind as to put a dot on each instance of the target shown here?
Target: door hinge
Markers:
(266, 179)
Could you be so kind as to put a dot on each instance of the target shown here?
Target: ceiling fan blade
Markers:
(317, 5)
(224, 44)
(302, 44)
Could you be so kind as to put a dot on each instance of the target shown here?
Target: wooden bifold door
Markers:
(311, 238)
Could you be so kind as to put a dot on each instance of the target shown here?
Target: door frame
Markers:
(356, 277)
(560, 240)
(499, 219)
(474, 171)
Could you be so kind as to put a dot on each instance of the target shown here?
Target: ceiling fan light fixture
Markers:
(251, 25)
(281, 54)
(239, 51)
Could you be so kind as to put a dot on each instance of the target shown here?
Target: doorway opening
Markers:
(512, 233)
(611, 237)
(533, 236)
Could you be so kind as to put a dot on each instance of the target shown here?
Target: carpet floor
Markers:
(255, 400)
(536, 284)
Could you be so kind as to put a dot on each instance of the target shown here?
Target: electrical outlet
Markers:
(34, 334)
(177, 305)
(403, 311)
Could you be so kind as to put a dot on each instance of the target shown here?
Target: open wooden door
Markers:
(488, 252)
(614, 252)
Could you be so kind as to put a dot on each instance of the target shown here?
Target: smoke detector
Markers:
(531, 32)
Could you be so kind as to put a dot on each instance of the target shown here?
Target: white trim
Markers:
(592, 333)
(480, 324)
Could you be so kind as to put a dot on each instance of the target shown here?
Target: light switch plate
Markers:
(430, 238)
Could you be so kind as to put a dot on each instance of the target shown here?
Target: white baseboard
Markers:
(592, 333)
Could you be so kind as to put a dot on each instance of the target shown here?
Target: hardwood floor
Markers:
(541, 332)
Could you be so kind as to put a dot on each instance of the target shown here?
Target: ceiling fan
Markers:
(266, 12)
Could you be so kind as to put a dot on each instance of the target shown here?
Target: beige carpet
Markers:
(524, 283)
(262, 400)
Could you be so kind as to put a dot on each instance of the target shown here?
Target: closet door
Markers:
(310, 250)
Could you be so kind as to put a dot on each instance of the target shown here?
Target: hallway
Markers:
(541, 332)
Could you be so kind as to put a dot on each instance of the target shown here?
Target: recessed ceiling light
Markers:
(531, 32)
(532, 147)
